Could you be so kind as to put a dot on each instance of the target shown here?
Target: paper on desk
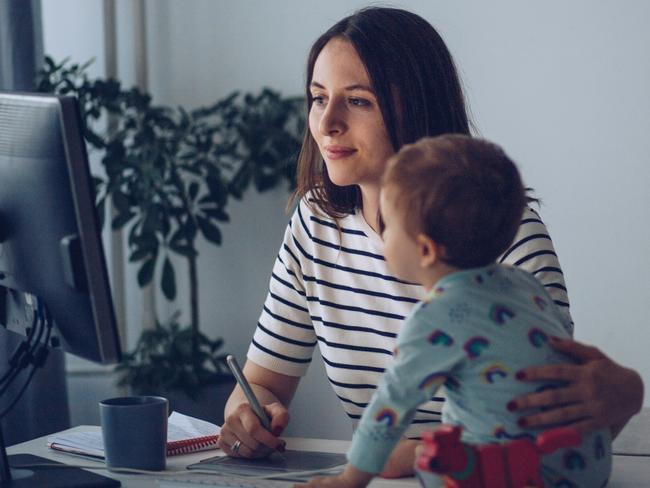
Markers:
(181, 427)
(90, 443)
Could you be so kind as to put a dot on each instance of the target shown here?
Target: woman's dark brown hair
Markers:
(409, 67)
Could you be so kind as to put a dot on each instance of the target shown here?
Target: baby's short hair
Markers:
(464, 193)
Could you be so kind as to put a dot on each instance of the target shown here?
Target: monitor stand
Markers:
(52, 477)
(14, 475)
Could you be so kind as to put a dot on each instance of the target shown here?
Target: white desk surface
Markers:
(38, 447)
(628, 471)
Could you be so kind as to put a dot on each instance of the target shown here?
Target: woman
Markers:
(376, 80)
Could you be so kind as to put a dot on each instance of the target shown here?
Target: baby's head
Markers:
(462, 194)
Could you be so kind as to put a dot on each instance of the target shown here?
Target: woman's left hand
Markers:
(598, 392)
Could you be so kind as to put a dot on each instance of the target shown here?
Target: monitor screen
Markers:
(50, 243)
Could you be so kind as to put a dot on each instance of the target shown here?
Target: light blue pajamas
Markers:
(472, 333)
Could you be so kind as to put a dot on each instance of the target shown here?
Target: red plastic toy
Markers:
(514, 465)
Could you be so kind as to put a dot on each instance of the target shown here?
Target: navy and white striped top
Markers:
(333, 289)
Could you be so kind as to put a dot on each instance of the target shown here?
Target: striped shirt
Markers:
(333, 289)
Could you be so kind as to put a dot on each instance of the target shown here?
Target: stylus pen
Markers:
(248, 391)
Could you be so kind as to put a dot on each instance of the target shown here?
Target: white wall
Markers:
(561, 85)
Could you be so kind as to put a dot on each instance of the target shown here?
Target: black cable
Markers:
(20, 351)
(28, 356)
(14, 362)
(38, 359)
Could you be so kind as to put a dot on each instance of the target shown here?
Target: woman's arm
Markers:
(274, 391)
(599, 392)
(279, 354)
(269, 386)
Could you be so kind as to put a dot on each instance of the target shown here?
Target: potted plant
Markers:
(169, 174)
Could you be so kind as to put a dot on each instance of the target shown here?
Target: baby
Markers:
(451, 205)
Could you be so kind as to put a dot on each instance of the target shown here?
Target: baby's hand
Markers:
(401, 461)
(349, 478)
(325, 481)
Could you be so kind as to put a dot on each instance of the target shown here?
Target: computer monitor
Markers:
(50, 245)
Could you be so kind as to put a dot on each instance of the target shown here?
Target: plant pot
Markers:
(209, 404)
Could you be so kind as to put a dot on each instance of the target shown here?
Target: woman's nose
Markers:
(333, 120)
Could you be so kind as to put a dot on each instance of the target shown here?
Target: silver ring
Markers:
(235, 447)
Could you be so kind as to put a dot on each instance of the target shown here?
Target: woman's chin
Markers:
(341, 180)
(339, 173)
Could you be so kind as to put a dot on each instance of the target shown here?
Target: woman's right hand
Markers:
(243, 426)
(598, 392)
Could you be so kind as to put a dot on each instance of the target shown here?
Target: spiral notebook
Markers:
(185, 434)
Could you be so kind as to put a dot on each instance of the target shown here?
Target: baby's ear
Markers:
(429, 250)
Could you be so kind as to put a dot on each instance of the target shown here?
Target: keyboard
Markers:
(217, 481)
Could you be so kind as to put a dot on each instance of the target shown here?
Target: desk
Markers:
(178, 463)
(628, 471)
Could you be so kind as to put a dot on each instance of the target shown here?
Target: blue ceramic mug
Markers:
(135, 432)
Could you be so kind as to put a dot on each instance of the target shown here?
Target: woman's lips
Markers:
(338, 152)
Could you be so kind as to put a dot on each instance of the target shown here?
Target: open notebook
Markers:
(184, 434)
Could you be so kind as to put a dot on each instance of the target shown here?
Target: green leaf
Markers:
(218, 191)
(146, 272)
(49, 64)
(241, 181)
(97, 182)
(165, 224)
(184, 250)
(216, 213)
(193, 190)
(189, 155)
(142, 239)
(210, 231)
(101, 212)
(189, 228)
(122, 219)
(168, 280)
(120, 201)
(178, 236)
(153, 220)
(94, 139)
(265, 182)
(140, 253)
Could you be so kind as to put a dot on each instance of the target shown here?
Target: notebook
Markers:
(184, 434)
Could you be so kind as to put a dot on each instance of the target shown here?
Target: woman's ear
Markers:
(429, 250)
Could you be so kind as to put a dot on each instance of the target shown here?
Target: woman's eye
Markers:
(359, 102)
(318, 100)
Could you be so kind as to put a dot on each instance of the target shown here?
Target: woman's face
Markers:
(345, 119)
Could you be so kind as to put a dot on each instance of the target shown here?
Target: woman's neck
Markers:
(370, 209)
